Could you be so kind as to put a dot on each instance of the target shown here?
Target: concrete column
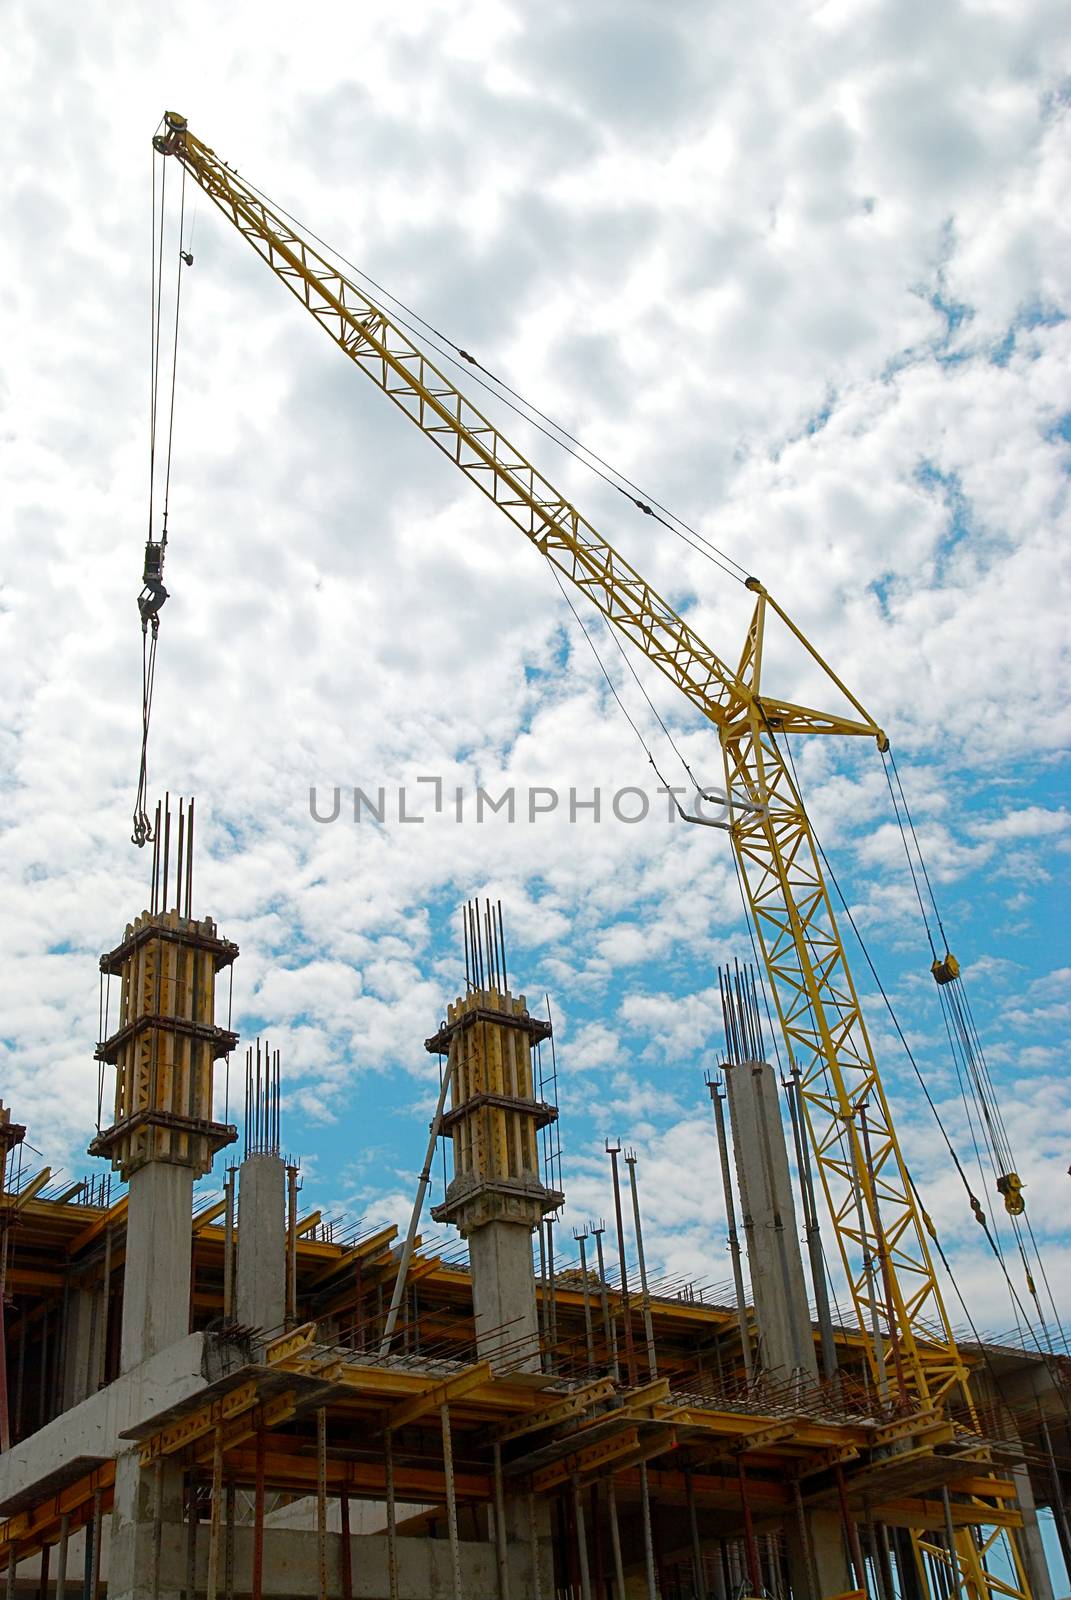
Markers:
(260, 1287)
(1031, 1548)
(79, 1352)
(786, 1337)
(159, 1256)
(503, 1295)
(786, 1340)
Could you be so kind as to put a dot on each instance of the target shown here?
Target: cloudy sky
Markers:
(801, 272)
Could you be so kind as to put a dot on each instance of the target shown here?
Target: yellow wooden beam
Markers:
(114, 1214)
(439, 1394)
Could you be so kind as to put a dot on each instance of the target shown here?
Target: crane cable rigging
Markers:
(1044, 1344)
(153, 594)
(968, 1055)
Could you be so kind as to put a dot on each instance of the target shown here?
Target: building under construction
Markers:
(238, 1399)
(234, 1398)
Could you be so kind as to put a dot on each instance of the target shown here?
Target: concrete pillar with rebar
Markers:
(163, 1136)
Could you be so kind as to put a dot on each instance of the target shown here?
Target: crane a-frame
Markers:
(881, 1228)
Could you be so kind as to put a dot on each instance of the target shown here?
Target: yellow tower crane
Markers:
(883, 1234)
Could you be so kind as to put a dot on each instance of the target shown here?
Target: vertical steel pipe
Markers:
(581, 1540)
(955, 1579)
(693, 1530)
(648, 1534)
(604, 1300)
(228, 1246)
(347, 1546)
(613, 1150)
(212, 1580)
(730, 1221)
(157, 1523)
(652, 1358)
(321, 1501)
(751, 1544)
(291, 1246)
(501, 1546)
(258, 1519)
(589, 1337)
(451, 1500)
(851, 1532)
(533, 1538)
(392, 1516)
(61, 1557)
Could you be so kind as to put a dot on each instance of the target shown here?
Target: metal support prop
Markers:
(191, 1541)
(321, 1501)
(581, 1540)
(157, 1523)
(580, 1235)
(105, 1298)
(851, 1532)
(291, 1245)
(98, 1518)
(1059, 1505)
(501, 1547)
(46, 1551)
(613, 1150)
(730, 1221)
(950, 1538)
(648, 1534)
(803, 1534)
(61, 1557)
(652, 1358)
(693, 1530)
(875, 1559)
(451, 1499)
(228, 1541)
(347, 1547)
(212, 1580)
(12, 1563)
(751, 1544)
(544, 1300)
(552, 1347)
(533, 1537)
(392, 1516)
(604, 1300)
(258, 1519)
(228, 1246)
(414, 1218)
(811, 1227)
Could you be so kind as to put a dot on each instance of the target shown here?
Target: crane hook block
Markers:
(945, 971)
(153, 593)
(1010, 1186)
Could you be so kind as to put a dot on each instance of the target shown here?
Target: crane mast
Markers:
(882, 1232)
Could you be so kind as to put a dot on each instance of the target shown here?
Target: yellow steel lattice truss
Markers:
(880, 1227)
